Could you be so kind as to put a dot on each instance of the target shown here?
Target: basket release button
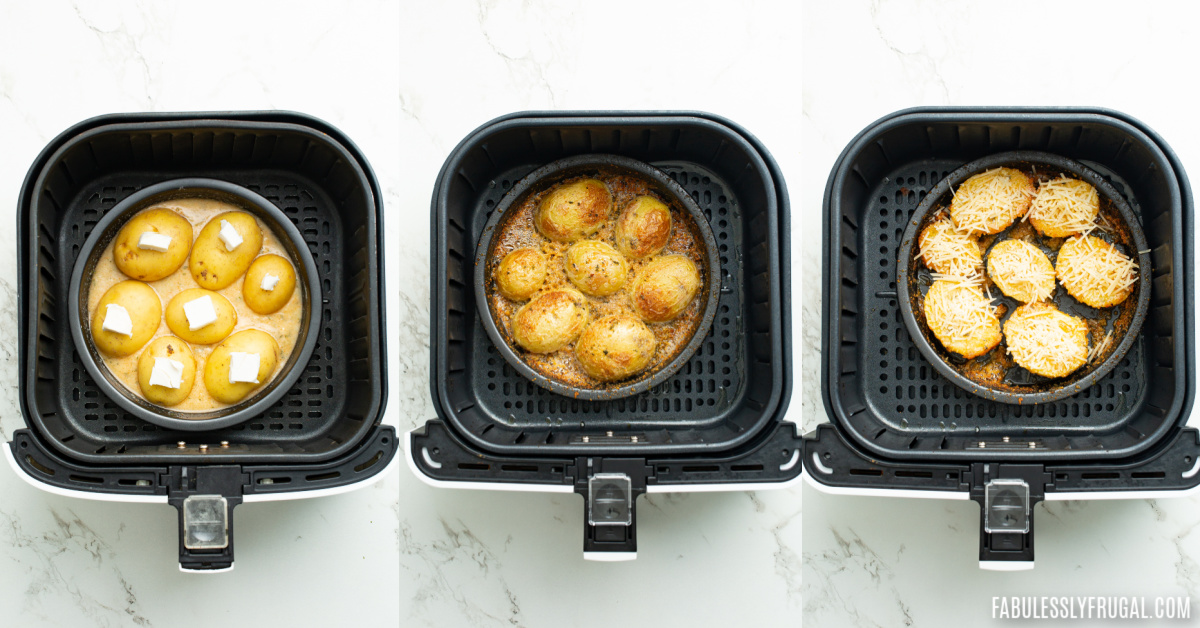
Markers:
(205, 522)
(610, 500)
(1006, 506)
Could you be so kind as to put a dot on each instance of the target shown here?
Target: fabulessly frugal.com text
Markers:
(1091, 607)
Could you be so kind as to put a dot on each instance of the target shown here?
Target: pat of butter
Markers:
(269, 282)
(116, 320)
(243, 367)
(229, 236)
(199, 312)
(167, 373)
(152, 241)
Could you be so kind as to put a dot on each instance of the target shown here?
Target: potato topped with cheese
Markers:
(948, 251)
(961, 317)
(1095, 272)
(1064, 207)
(1045, 341)
(990, 201)
(153, 244)
(1021, 270)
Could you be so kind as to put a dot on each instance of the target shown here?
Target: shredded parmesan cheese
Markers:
(990, 201)
(949, 251)
(1064, 207)
(1021, 271)
(961, 317)
(1100, 347)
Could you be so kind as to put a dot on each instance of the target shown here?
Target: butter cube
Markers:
(116, 320)
(229, 236)
(269, 282)
(200, 312)
(167, 373)
(152, 241)
(243, 367)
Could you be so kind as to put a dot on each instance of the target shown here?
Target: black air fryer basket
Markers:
(899, 424)
(718, 421)
(324, 435)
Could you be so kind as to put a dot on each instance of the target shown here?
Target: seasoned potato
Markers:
(213, 332)
(170, 348)
(145, 311)
(990, 201)
(961, 317)
(216, 370)
(643, 227)
(615, 347)
(269, 301)
(520, 274)
(665, 288)
(213, 266)
(149, 264)
(948, 251)
(550, 321)
(1095, 272)
(1021, 270)
(595, 267)
(573, 210)
(1045, 340)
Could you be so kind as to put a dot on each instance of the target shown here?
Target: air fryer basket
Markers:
(721, 398)
(319, 186)
(880, 390)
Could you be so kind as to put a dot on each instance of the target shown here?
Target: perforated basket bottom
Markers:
(905, 391)
(706, 388)
(313, 403)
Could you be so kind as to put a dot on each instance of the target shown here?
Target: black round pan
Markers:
(307, 282)
(595, 164)
(1019, 386)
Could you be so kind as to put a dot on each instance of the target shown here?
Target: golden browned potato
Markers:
(213, 265)
(1095, 272)
(144, 309)
(990, 201)
(551, 321)
(595, 267)
(1021, 270)
(216, 370)
(181, 324)
(520, 274)
(615, 347)
(149, 264)
(1046, 341)
(948, 251)
(166, 348)
(573, 210)
(664, 288)
(281, 280)
(961, 317)
(1064, 207)
(643, 227)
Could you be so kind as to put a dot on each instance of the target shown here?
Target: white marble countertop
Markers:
(893, 562)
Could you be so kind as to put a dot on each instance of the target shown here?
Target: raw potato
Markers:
(520, 274)
(269, 301)
(615, 347)
(573, 210)
(214, 267)
(211, 333)
(145, 310)
(216, 370)
(174, 349)
(147, 265)
(665, 288)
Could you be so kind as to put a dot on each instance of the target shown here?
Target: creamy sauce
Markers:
(283, 325)
(517, 231)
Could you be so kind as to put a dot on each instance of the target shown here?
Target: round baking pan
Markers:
(1020, 386)
(307, 282)
(600, 164)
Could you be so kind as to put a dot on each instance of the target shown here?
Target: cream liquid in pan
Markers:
(283, 325)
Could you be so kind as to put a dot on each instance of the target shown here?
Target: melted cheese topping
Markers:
(961, 317)
(949, 251)
(1095, 272)
(1046, 341)
(1021, 271)
(990, 201)
(1064, 207)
